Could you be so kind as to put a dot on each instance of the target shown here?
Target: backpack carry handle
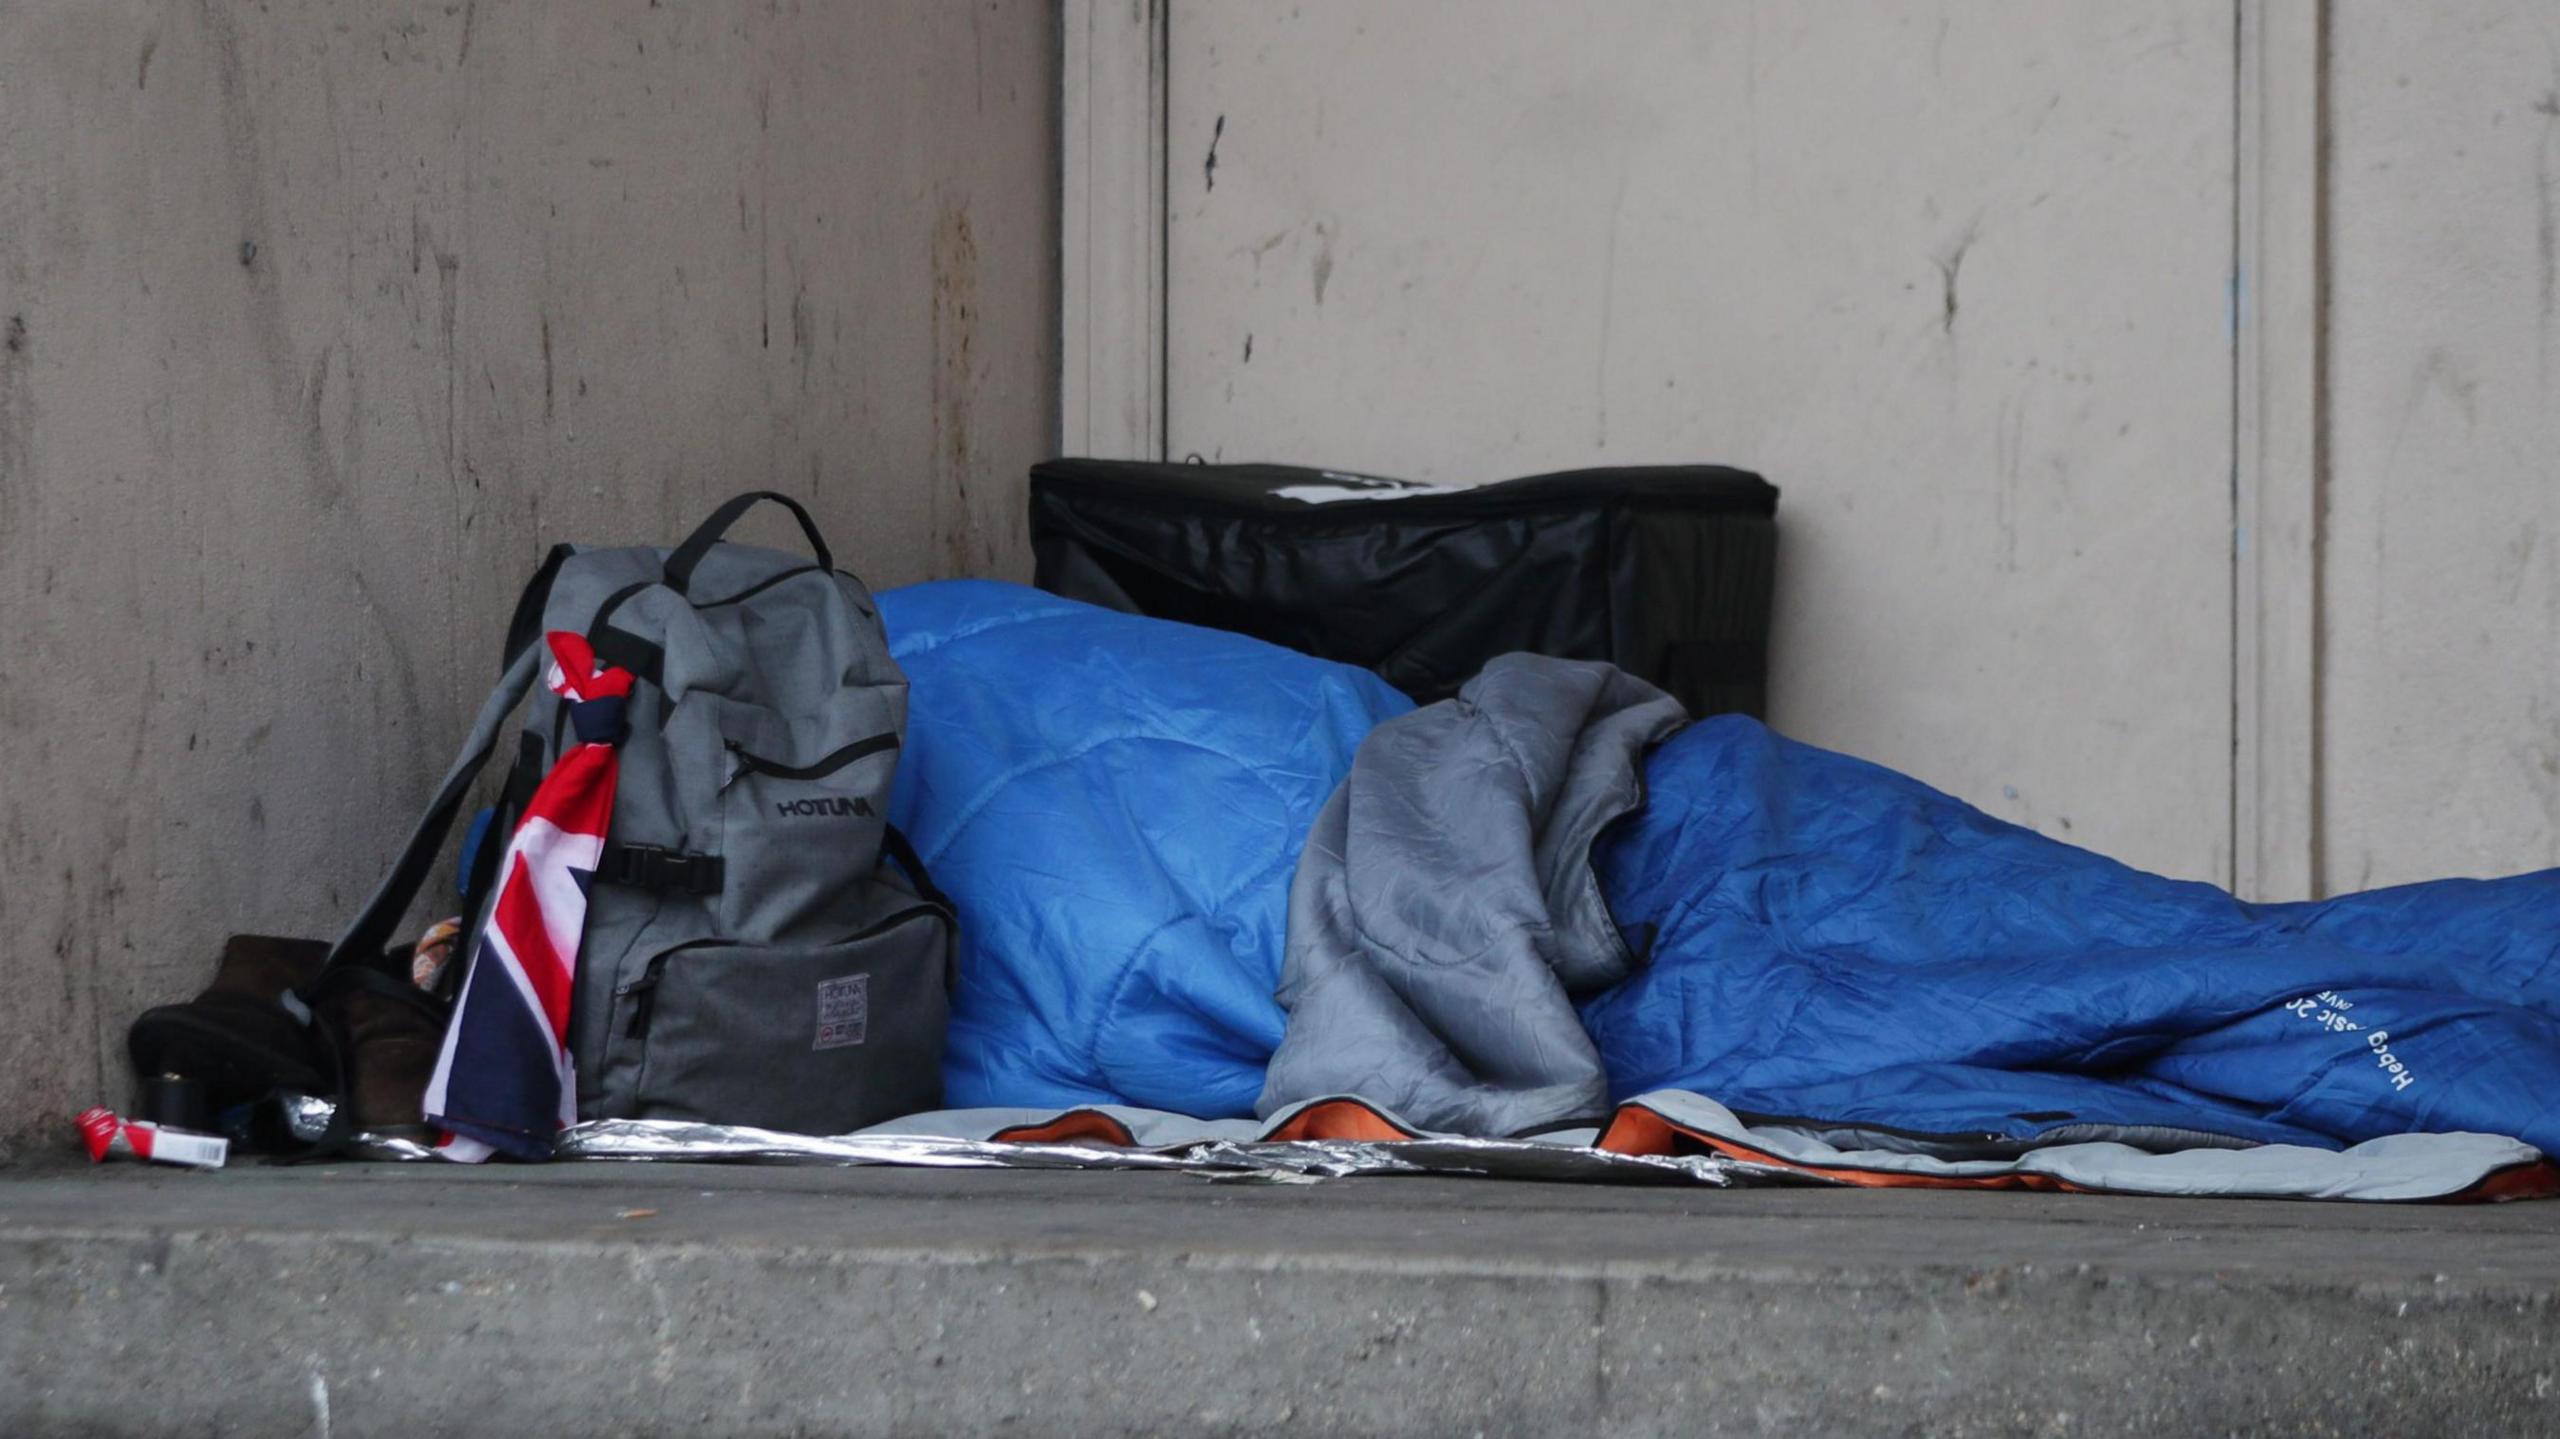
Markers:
(681, 562)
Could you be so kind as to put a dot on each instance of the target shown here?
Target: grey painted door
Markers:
(1957, 277)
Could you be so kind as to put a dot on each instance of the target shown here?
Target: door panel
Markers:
(1956, 277)
(2440, 733)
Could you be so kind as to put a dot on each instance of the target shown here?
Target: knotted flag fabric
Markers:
(505, 1082)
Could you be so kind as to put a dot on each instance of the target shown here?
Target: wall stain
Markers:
(2519, 560)
(2009, 455)
(1951, 265)
(17, 426)
(804, 331)
(764, 219)
(1323, 267)
(2540, 760)
(1608, 316)
(328, 485)
(448, 304)
(1264, 246)
(2546, 233)
(963, 547)
(978, 59)
(142, 68)
(294, 386)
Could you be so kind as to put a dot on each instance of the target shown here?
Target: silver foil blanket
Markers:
(1242, 1160)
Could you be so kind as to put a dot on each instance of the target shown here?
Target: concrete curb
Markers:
(1017, 1322)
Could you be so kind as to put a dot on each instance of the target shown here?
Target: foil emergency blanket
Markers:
(1667, 1137)
(1276, 1160)
(306, 1118)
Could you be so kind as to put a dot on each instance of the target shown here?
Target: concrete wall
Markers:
(1956, 276)
(1990, 288)
(2440, 633)
(319, 321)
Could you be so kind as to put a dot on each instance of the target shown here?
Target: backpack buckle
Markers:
(656, 867)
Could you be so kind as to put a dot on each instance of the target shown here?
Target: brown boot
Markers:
(392, 1031)
(237, 1038)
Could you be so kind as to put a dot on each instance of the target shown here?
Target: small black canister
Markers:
(175, 1101)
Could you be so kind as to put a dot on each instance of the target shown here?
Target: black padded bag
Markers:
(1664, 571)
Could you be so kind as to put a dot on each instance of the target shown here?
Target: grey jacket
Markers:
(1445, 915)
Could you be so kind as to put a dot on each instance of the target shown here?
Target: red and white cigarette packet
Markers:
(106, 1134)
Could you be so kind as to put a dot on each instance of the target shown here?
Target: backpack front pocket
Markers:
(801, 820)
(813, 1039)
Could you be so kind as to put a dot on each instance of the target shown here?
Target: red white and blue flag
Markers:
(505, 1082)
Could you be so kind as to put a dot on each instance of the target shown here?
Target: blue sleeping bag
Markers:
(1118, 804)
(1833, 941)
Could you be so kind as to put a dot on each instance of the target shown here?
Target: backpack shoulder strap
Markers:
(371, 932)
(525, 625)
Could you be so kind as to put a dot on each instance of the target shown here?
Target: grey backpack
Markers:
(748, 958)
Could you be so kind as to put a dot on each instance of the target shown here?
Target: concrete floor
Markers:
(602, 1299)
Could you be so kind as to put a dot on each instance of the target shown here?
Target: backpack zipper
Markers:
(748, 763)
(643, 992)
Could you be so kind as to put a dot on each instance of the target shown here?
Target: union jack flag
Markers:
(504, 1082)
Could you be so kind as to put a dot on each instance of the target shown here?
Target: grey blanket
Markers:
(1445, 915)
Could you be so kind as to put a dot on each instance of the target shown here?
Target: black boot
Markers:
(237, 1038)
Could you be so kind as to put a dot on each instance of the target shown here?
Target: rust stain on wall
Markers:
(17, 419)
(961, 544)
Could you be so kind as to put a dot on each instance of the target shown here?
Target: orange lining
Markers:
(1339, 1119)
(1638, 1130)
(1635, 1129)
(1073, 1125)
(2538, 1180)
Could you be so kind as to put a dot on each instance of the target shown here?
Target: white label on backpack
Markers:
(844, 1011)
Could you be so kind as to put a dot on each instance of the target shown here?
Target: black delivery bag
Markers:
(1664, 571)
